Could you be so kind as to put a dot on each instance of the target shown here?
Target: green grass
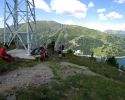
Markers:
(100, 68)
(8, 66)
(77, 87)
(2, 97)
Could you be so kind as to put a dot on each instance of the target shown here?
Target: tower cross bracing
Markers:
(19, 23)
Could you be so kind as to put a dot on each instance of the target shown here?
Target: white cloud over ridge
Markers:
(73, 8)
(102, 17)
(90, 5)
(68, 22)
(111, 15)
(119, 1)
(41, 4)
(102, 27)
(114, 15)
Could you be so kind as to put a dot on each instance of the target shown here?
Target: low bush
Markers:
(112, 61)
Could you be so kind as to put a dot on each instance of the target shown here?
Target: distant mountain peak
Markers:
(114, 32)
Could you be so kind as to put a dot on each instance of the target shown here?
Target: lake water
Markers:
(121, 61)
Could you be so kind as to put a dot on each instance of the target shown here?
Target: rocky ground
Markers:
(36, 75)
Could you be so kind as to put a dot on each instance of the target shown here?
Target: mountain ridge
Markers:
(87, 40)
(120, 32)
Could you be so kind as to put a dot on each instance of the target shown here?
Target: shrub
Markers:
(92, 56)
(49, 46)
(70, 51)
(112, 61)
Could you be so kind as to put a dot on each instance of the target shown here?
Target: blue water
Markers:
(121, 61)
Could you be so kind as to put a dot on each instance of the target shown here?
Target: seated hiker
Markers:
(34, 51)
(45, 54)
(41, 48)
(40, 55)
(6, 56)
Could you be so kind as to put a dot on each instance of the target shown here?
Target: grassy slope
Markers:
(8, 66)
(108, 86)
(78, 87)
(101, 43)
(103, 69)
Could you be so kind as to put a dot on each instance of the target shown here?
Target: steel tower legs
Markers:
(19, 23)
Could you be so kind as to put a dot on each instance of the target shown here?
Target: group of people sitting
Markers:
(40, 53)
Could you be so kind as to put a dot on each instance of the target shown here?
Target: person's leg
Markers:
(38, 57)
(10, 57)
(60, 55)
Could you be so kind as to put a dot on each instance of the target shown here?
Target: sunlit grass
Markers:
(8, 66)
(79, 87)
(97, 67)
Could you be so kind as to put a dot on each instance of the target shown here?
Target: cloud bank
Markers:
(73, 8)
(119, 1)
(41, 4)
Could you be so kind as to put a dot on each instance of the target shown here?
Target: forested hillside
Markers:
(77, 37)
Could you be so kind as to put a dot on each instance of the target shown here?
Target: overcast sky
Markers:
(96, 14)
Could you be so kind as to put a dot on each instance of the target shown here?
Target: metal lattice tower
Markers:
(19, 23)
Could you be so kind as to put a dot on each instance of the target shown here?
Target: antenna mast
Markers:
(19, 23)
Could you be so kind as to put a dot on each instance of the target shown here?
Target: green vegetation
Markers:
(112, 61)
(77, 37)
(79, 86)
(8, 66)
(100, 68)
(88, 43)
(2, 97)
(108, 84)
(76, 88)
(105, 86)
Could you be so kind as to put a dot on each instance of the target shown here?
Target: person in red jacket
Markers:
(2, 52)
(5, 56)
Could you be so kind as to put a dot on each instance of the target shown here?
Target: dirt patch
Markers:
(68, 69)
(37, 75)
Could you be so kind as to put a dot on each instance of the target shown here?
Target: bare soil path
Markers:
(41, 74)
(36, 75)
